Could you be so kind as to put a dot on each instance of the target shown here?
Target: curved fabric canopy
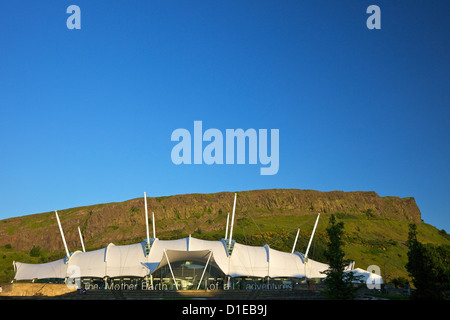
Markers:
(26, 271)
(130, 260)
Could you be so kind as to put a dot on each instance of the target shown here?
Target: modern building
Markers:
(187, 263)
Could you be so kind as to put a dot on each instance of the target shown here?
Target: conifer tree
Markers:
(339, 284)
(427, 267)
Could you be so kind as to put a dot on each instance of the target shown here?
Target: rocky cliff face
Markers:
(124, 221)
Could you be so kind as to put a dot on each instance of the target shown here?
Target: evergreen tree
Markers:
(428, 268)
(339, 284)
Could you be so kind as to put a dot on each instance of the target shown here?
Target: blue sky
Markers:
(86, 115)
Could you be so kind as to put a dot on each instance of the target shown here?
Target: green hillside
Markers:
(376, 228)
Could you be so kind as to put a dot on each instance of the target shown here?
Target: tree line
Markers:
(428, 266)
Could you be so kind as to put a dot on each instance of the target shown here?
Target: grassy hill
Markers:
(376, 227)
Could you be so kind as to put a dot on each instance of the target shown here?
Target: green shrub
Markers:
(35, 251)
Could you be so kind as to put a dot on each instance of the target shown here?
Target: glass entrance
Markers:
(188, 275)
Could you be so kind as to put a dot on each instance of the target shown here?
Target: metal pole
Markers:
(153, 223)
(295, 242)
(204, 270)
(62, 234)
(232, 222)
(81, 238)
(146, 218)
(312, 235)
(226, 229)
(170, 268)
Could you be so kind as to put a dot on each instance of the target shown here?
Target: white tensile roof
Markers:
(130, 260)
(55, 269)
(365, 276)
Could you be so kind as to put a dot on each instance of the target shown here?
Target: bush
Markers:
(35, 251)
(370, 213)
(399, 282)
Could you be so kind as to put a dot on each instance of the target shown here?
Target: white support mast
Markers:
(312, 235)
(146, 218)
(295, 242)
(153, 224)
(81, 239)
(232, 222)
(62, 235)
(170, 268)
(226, 229)
(204, 269)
